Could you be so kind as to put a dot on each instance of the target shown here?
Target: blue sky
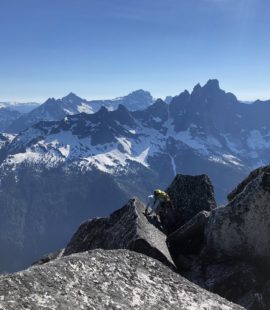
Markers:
(107, 48)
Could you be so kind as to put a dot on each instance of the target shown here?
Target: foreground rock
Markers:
(126, 228)
(227, 250)
(236, 280)
(189, 195)
(241, 229)
(99, 279)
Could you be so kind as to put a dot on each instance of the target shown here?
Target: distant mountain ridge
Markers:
(57, 109)
(190, 134)
(22, 107)
(11, 111)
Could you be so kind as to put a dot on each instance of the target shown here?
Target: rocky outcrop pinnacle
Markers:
(189, 195)
(126, 228)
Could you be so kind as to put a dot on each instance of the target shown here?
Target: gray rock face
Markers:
(99, 279)
(189, 195)
(242, 228)
(188, 241)
(127, 228)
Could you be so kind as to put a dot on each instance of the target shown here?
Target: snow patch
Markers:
(85, 108)
(173, 165)
(195, 143)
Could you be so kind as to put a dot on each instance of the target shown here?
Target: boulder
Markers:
(189, 195)
(241, 229)
(98, 279)
(126, 228)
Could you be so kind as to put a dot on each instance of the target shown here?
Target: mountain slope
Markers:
(7, 117)
(41, 207)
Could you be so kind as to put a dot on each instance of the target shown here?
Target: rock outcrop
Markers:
(189, 196)
(227, 250)
(241, 186)
(241, 230)
(126, 228)
(99, 280)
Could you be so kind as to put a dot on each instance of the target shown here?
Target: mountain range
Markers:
(57, 109)
(21, 107)
(188, 135)
(56, 173)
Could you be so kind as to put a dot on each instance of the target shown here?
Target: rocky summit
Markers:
(99, 280)
(136, 260)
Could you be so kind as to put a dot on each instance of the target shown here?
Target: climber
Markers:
(159, 198)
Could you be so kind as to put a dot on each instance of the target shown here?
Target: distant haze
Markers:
(103, 48)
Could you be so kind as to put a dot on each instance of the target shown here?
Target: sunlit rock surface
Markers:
(100, 279)
(241, 229)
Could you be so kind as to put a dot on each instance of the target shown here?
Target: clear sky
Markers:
(107, 48)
